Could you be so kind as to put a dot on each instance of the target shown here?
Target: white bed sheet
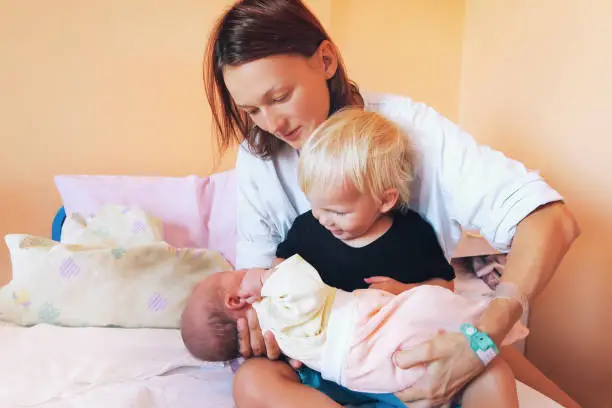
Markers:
(57, 367)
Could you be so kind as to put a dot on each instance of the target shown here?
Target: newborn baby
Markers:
(349, 337)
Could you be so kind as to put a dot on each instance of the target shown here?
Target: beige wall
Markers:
(106, 87)
(406, 47)
(114, 87)
(536, 84)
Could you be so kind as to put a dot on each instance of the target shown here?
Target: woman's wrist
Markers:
(499, 318)
(510, 290)
(481, 344)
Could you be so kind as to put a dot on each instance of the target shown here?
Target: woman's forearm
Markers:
(541, 241)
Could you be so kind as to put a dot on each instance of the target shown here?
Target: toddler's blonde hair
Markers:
(361, 148)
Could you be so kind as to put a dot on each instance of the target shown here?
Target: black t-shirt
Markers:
(408, 252)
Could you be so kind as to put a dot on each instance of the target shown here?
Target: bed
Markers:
(59, 367)
(51, 366)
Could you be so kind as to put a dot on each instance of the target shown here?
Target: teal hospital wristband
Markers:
(480, 343)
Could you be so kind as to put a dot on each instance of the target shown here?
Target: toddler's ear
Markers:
(388, 200)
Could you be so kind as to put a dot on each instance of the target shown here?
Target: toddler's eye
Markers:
(280, 98)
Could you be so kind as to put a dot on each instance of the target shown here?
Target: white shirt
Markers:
(458, 183)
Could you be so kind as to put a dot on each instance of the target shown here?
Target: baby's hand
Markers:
(250, 288)
(389, 284)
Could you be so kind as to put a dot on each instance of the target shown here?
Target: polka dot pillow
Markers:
(141, 285)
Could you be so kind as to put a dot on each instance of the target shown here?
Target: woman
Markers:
(272, 75)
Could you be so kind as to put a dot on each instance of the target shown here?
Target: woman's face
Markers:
(285, 95)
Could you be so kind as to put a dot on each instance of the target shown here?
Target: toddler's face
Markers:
(345, 212)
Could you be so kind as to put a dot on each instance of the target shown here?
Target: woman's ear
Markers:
(388, 200)
(234, 302)
(329, 58)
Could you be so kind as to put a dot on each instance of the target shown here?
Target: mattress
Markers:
(58, 367)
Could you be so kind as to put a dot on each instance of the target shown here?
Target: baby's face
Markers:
(229, 281)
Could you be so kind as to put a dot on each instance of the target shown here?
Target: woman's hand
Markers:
(451, 364)
(253, 344)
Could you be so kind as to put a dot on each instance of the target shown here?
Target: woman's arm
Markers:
(257, 238)
(542, 239)
(513, 208)
(255, 247)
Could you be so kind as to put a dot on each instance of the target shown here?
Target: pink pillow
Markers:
(197, 212)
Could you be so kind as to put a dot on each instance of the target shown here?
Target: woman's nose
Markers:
(274, 123)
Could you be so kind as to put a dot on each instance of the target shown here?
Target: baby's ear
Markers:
(234, 302)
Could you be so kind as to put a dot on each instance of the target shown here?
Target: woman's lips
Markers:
(293, 135)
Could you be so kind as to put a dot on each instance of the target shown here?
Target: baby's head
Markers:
(208, 323)
(356, 166)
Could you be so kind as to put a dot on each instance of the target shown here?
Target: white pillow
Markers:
(143, 285)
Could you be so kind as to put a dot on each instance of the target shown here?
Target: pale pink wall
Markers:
(536, 84)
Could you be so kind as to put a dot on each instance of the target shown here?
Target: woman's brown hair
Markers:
(254, 29)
